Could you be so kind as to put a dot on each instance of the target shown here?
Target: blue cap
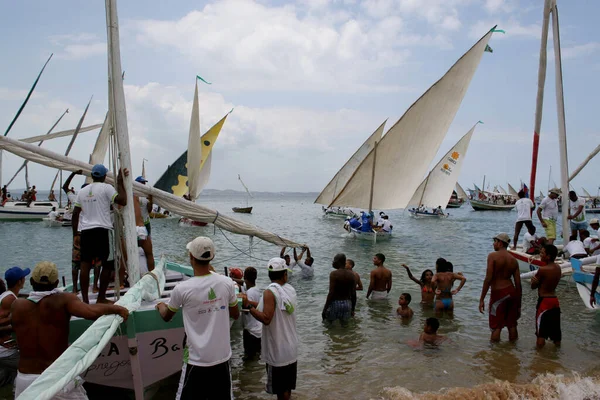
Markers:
(140, 179)
(12, 275)
(99, 171)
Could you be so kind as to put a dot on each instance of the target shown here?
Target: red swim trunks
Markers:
(547, 319)
(504, 308)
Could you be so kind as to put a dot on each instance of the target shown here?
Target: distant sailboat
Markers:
(438, 186)
(247, 209)
(512, 191)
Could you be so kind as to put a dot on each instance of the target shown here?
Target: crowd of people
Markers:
(364, 223)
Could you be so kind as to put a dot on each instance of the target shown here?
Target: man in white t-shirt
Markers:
(307, 265)
(54, 215)
(529, 239)
(591, 244)
(524, 208)
(577, 213)
(288, 260)
(547, 213)
(380, 219)
(208, 300)
(252, 328)
(277, 312)
(595, 225)
(574, 248)
(92, 217)
(145, 206)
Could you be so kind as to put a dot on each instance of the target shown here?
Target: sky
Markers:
(309, 81)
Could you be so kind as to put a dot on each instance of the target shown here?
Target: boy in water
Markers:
(404, 310)
(429, 334)
(547, 313)
(350, 266)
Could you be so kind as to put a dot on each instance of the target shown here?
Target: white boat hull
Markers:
(18, 210)
(52, 223)
(417, 214)
(372, 236)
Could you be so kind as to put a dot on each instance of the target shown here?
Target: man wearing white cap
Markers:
(277, 312)
(547, 212)
(208, 300)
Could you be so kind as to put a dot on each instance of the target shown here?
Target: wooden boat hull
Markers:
(454, 205)
(18, 210)
(417, 214)
(485, 206)
(529, 263)
(372, 236)
(592, 210)
(191, 222)
(242, 210)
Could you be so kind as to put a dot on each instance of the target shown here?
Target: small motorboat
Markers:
(242, 210)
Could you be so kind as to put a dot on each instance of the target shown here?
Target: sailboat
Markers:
(458, 198)
(145, 349)
(439, 184)
(512, 192)
(191, 171)
(391, 171)
(491, 201)
(247, 209)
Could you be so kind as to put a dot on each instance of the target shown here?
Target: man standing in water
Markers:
(547, 311)
(505, 299)
(547, 212)
(276, 311)
(381, 279)
(41, 323)
(92, 216)
(341, 299)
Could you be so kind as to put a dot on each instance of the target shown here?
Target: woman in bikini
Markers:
(444, 280)
(427, 288)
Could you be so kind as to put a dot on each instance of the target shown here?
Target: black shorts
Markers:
(547, 319)
(281, 379)
(252, 344)
(205, 383)
(147, 225)
(527, 223)
(95, 244)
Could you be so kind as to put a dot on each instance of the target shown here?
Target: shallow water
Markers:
(370, 358)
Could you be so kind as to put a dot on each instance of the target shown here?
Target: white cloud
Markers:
(78, 46)
(581, 50)
(494, 6)
(512, 27)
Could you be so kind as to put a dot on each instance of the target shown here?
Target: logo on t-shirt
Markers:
(211, 294)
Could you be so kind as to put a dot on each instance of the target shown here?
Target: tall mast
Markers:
(540, 94)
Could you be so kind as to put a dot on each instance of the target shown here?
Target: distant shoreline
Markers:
(205, 192)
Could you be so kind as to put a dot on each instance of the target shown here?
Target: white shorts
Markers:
(379, 294)
(142, 232)
(73, 391)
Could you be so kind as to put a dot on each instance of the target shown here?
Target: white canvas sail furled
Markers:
(407, 149)
(461, 192)
(101, 146)
(512, 191)
(194, 155)
(60, 134)
(339, 181)
(437, 187)
(175, 204)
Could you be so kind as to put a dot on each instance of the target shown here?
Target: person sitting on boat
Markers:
(438, 211)
(590, 243)
(366, 222)
(207, 303)
(547, 213)
(54, 215)
(307, 265)
(530, 241)
(386, 225)
(354, 223)
(290, 264)
(51, 196)
(574, 248)
(380, 219)
(47, 312)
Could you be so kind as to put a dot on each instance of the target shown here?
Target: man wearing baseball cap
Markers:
(505, 298)
(41, 323)
(91, 216)
(547, 213)
(208, 300)
(279, 342)
(9, 354)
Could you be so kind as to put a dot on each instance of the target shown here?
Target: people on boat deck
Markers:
(350, 266)
(9, 353)
(51, 196)
(70, 192)
(341, 298)
(290, 264)
(524, 208)
(547, 311)
(505, 299)
(380, 219)
(207, 302)
(92, 216)
(547, 213)
(443, 280)
(404, 311)
(306, 266)
(277, 312)
(366, 222)
(31, 196)
(144, 240)
(574, 248)
(595, 225)
(529, 239)
(426, 284)
(54, 215)
(145, 206)
(380, 282)
(576, 213)
(590, 243)
(252, 327)
(354, 223)
(41, 324)
(438, 211)
(386, 225)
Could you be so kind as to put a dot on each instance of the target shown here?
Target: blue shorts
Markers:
(578, 226)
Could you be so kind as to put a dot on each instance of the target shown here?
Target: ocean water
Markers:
(371, 357)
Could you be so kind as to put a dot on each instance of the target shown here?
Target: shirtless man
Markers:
(350, 266)
(381, 279)
(341, 299)
(547, 311)
(443, 280)
(505, 298)
(41, 323)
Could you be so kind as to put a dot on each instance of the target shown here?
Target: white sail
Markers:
(512, 191)
(437, 187)
(194, 155)
(461, 192)
(339, 181)
(396, 168)
(60, 134)
(101, 146)
(501, 190)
